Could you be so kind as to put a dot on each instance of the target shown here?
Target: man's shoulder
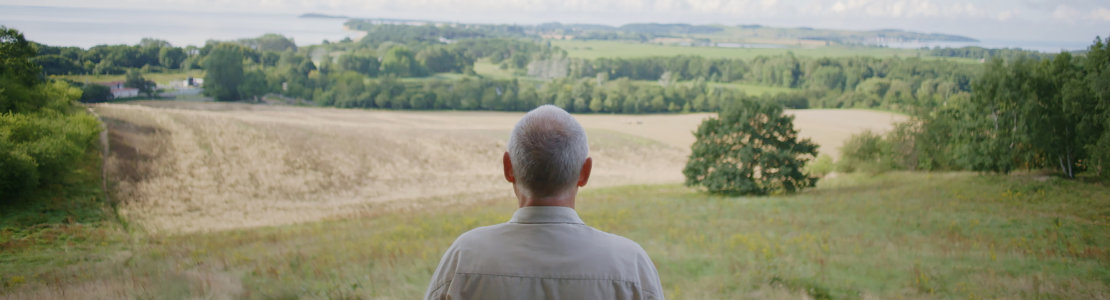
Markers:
(618, 242)
(479, 236)
(480, 233)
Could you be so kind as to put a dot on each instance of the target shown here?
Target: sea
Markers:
(87, 27)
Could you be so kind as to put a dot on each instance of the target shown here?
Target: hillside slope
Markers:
(188, 166)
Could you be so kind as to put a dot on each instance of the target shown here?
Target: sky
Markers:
(1000, 20)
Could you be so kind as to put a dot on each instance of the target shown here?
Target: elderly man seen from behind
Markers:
(545, 251)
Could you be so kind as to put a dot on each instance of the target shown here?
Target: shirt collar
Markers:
(546, 215)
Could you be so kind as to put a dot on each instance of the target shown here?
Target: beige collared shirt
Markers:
(544, 252)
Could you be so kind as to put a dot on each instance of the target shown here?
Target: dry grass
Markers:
(898, 235)
(189, 166)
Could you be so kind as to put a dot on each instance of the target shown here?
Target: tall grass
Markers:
(898, 235)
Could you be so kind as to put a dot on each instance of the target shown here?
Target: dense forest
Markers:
(419, 67)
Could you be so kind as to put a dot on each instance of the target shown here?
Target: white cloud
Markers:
(1006, 15)
(1100, 14)
(1065, 13)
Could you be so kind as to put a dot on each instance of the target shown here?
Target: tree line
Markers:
(890, 83)
(1023, 113)
(866, 82)
(987, 53)
(347, 89)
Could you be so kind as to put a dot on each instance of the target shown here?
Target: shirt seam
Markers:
(561, 278)
(439, 287)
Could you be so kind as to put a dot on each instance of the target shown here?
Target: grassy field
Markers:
(160, 78)
(486, 68)
(230, 201)
(596, 49)
(753, 89)
(899, 235)
(747, 88)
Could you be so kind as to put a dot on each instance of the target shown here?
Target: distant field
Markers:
(160, 78)
(892, 236)
(192, 166)
(597, 49)
(747, 88)
(486, 68)
(753, 89)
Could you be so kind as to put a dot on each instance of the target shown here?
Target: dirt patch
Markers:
(131, 148)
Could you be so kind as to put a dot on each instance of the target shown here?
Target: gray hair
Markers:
(547, 148)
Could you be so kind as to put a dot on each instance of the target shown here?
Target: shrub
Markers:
(41, 149)
(866, 151)
(18, 172)
(821, 166)
(95, 93)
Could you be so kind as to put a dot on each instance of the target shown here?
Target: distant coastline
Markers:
(323, 16)
(87, 27)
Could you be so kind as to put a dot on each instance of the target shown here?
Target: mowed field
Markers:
(193, 166)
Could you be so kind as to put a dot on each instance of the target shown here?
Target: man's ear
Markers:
(508, 168)
(584, 176)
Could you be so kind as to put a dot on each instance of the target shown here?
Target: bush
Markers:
(95, 93)
(867, 152)
(42, 148)
(18, 172)
(821, 166)
(750, 148)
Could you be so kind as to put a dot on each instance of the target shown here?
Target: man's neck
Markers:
(565, 199)
(547, 202)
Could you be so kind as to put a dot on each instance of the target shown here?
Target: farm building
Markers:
(120, 91)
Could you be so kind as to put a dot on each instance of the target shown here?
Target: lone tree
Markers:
(750, 148)
(224, 72)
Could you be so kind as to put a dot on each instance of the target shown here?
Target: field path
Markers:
(194, 166)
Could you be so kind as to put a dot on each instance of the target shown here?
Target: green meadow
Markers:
(895, 235)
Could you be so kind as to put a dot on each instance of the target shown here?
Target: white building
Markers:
(120, 91)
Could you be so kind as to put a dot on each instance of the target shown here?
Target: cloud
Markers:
(1065, 13)
(1100, 14)
(1006, 15)
(895, 9)
(850, 13)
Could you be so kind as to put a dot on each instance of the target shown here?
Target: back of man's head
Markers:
(547, 149)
